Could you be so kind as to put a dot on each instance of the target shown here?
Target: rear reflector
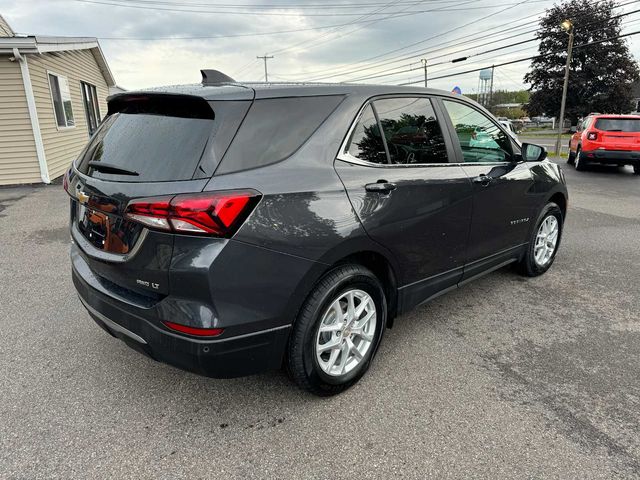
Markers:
(198, 332)
(218, 214)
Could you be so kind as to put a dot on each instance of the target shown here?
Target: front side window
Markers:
(91, 107)
(61, 100)
(411, 130)
(366, 142)
(480, 138)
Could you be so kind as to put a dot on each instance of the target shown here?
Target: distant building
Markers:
(508, 106)
(53, 94)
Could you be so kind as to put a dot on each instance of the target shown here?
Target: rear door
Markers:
(409, 199)
(148, 146)
(503, 200)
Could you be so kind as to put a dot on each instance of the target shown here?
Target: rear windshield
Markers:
(149, 140)
(618, 124)
(274, 129)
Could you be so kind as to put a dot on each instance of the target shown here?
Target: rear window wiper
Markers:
(110, 168)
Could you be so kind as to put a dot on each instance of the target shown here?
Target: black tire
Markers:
(636, 169)
(571, 159)
(301, 361)
(580, 162)
(528, 265)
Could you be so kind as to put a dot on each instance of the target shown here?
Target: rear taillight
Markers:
(218, 214)
(65, 182)
(592, 136)
(198, 332)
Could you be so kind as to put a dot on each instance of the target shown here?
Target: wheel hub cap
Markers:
(346, 332)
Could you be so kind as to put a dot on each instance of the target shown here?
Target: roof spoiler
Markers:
(215, 77)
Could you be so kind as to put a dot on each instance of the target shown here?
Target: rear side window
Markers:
(618, 124)
(411, 130)
(149, 140)
(366, 142)
(275, 129)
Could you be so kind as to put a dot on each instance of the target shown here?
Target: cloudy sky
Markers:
(160, 42)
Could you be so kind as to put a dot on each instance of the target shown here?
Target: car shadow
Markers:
(608, 169)
(273, 392)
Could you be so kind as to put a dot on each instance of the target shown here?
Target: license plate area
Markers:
(106, 232)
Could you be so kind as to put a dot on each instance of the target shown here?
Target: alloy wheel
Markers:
(546, 240)
(346, 332)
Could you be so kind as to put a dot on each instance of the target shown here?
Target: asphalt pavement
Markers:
(506, 377)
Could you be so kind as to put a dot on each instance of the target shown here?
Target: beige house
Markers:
(53, 94)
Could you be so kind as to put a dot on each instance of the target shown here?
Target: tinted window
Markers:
(158, 139)
(274, 129)
(366, 141)
(412, 132)
(618, 124)
(480, 138)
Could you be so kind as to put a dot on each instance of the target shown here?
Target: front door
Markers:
(408, 197)
(503, 201)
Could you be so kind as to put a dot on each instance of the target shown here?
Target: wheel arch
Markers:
(364, 252)
(561, 200)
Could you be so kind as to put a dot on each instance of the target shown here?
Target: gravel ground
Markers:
(505, 378)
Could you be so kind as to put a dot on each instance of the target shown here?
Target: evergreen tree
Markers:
(601, 74)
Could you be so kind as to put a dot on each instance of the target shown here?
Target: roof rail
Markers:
(215, 77)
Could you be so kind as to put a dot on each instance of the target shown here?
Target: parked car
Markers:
(262, 225)
(606, 139)
(508, 126)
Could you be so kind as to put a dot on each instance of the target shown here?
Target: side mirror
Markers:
(533, 153)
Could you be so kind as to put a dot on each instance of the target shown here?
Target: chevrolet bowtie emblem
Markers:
(82, 197)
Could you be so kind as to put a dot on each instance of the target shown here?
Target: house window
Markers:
(91, 107)
(61, 100)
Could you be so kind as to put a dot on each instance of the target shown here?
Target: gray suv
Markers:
(229, 228)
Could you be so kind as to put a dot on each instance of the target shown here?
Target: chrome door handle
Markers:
(482, 179)
(380, 187)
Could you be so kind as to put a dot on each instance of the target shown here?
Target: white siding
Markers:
(18, 159)
(63, 145)
(5, 29)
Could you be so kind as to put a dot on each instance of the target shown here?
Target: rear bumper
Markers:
(220, 358)
(253, 305)
(616, 157)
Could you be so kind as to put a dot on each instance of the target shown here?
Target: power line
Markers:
(435, 36)
(415, 80)
(286, 6)
(316, 43)
(256, 34)
(382, 74)
(152, 6)
(387, 5)
(421, 53)
(511, 62)
(485, 52)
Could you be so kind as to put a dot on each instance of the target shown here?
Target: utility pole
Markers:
(567, 26)
(265, 58)
(424, 65)
(489, 103)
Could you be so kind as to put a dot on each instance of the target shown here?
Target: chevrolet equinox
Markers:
(228, 228)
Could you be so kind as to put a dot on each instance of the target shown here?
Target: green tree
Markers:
(600, 75)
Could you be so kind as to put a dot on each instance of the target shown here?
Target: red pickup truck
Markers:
(606, 139)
